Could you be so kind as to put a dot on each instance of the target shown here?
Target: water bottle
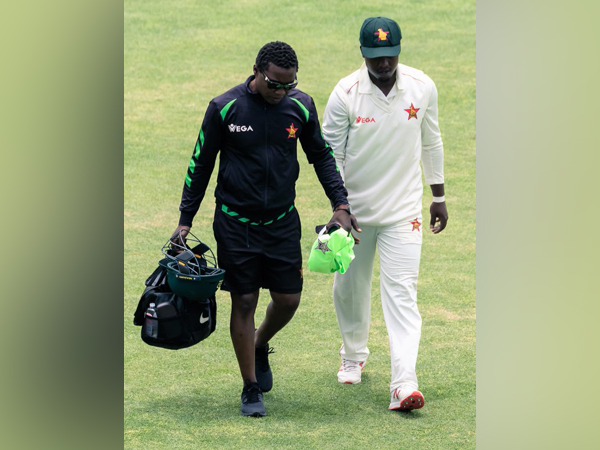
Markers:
(151, 321)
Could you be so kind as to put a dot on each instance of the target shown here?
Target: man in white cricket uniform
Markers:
(382, 123)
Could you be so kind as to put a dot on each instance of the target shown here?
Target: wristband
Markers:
(348, 210)
(441, 199)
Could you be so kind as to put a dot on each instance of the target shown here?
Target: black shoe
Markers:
(264, 376)
(252, 401)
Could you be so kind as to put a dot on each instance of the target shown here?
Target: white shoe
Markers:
(406, 399)
(350, 371)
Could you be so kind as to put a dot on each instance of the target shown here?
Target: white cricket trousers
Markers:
(399, 249)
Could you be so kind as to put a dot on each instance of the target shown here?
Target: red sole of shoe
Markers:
(413, 401)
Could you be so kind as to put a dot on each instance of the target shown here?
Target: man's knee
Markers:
(289, 302)
(244, 304)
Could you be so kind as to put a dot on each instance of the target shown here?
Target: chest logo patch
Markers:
(412, 112)
(364, 119)
(416, 225)
(292, 131)
(381, 35)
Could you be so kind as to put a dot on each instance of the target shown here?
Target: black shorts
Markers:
(259, 256)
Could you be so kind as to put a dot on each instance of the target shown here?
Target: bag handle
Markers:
(322, 232)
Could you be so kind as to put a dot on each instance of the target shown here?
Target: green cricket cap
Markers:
(331, 252)
(380, 36)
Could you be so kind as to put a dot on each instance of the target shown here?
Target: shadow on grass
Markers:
(325, 401)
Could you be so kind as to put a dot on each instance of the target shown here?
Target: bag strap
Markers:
(157, 278)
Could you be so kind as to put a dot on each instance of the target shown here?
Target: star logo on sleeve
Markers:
(416, 224)
(322, 246)
(292, 131)
(412, 112)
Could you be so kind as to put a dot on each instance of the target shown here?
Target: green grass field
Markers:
(178, 55)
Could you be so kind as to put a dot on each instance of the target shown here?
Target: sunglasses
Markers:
(275, 85)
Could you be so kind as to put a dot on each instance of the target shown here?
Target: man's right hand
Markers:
(181, 230)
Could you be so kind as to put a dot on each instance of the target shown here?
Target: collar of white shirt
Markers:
(366, 86)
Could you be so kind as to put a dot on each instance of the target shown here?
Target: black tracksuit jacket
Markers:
(258, 165)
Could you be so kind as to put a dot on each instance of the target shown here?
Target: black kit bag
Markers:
(182, 288)
(179, 323)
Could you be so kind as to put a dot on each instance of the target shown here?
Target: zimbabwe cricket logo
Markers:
(412, 112)
(416, 224)
(292, 131)
(381, 35)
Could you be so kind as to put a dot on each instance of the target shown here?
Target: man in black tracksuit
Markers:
(256, 127)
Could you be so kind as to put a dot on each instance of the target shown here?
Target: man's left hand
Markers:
(439, 217)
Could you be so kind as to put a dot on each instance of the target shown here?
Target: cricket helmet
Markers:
(191, 265)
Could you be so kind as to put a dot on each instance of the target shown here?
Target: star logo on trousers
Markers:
(416, 224)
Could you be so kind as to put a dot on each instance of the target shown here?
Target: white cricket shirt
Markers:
(381, 142)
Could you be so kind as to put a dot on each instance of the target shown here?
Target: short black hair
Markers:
(278, 53)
